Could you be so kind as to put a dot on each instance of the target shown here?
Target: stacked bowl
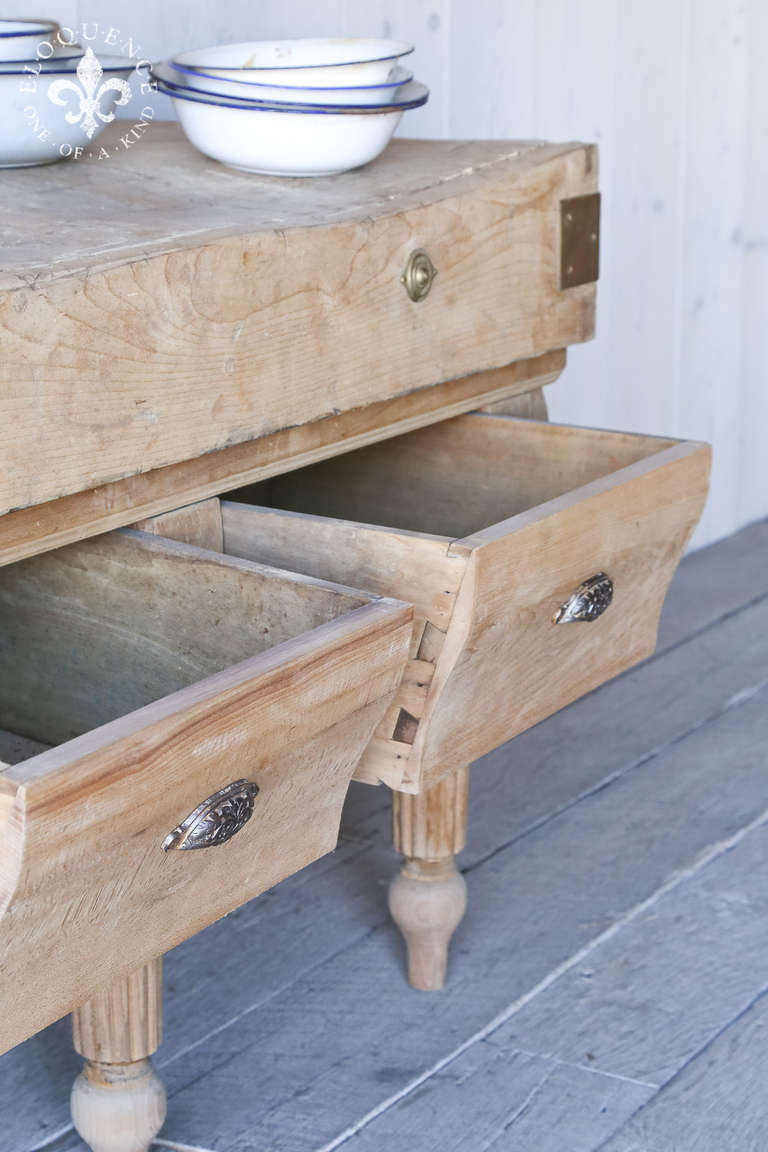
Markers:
(292, 107)
(45, 85)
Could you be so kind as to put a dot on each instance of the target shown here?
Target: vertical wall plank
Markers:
(753, 496)
(575, 76)
(710, 319)
(425, 24)
(493, 64)
(645, 169)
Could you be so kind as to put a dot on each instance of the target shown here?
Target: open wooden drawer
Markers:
(488, 525)
(164, 673)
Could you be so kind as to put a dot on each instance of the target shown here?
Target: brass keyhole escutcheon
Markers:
(418, 276)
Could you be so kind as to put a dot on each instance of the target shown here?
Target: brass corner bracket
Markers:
(579, 240)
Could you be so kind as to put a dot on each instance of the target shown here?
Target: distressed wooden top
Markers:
(160, 196)
(157, 307)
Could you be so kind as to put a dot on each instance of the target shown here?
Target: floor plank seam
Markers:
(174, 1146)
(680, 876)
(53, 1139)
(760, 995)
(735, 701)
(593, 1069)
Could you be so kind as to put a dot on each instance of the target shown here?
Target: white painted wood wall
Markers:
(676, 94)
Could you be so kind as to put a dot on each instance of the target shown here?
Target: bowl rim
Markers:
(416, 100)
(108, 64)
(403, 49)
(36, 28)
(406, 78)
(46, 59)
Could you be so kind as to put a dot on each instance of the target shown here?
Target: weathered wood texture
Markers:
(98, 634)
(716, 1101)
(198, 524)
(530, 405)
(499, 1098)
(29, 531)
(459, 476)
(94, 631)
(159, 335)
(486, 660)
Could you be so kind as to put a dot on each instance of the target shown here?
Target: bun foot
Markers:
(118, 1107)
(427, 900)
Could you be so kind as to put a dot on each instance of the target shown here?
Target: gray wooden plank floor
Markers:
(607, 988)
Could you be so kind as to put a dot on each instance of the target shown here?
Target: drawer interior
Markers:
(103, 627)
(14, 748)
(457, 477)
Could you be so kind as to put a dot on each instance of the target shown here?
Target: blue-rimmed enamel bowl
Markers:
(20, 39)
(47, 113)
(211, 85)
(376, 96)
(283, 139)
(63, 61)
(320, 63)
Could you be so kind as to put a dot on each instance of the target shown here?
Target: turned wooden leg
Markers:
(118, 1101)
(428, 897)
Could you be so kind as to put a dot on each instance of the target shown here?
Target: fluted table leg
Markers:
(118, 1101)
(428, 897)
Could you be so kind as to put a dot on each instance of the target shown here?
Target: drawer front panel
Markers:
(507, 664)
(87, 892)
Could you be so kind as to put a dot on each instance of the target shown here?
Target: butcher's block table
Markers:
(256, 538)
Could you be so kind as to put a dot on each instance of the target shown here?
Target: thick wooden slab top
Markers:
(157, 307)
(161, 196)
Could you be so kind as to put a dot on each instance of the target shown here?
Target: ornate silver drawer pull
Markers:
(217, 819)
(588, 602)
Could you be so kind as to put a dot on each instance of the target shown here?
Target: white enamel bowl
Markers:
(34, 129)
(310, 63)
(20, 39)
(211, 85)
(288, 139)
